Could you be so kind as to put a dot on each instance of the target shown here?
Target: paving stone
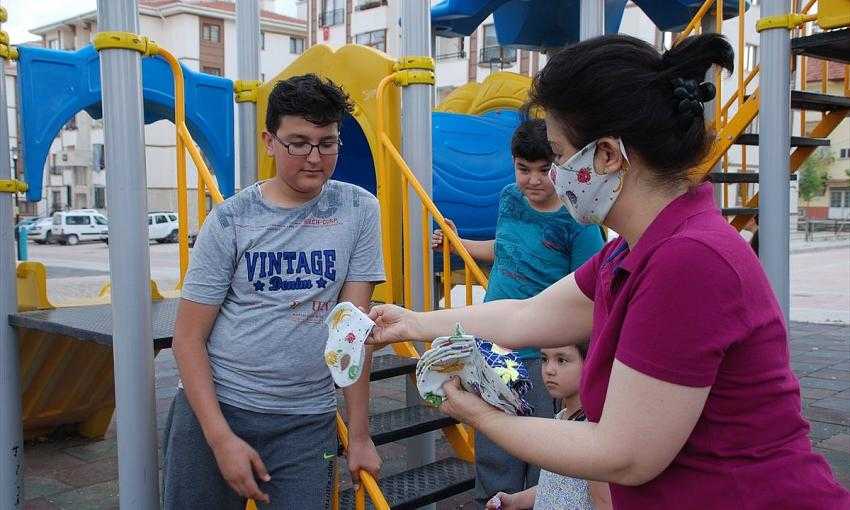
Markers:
(39, 504)
(839, 442)
(837, 404)
(820, 430)
(840, 464)
(100, 496)
(827, 415)
(39, 486)
(836, 385)
(813, 394)
(92, 473)
(800, 368)
(831, 374)
(96, 450)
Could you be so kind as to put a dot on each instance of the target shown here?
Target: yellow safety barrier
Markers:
(12, 186)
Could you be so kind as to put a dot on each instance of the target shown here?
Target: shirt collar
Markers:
(695, 201)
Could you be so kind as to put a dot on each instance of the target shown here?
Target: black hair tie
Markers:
(690, 96)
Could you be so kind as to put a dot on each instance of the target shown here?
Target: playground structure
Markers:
(132, 319)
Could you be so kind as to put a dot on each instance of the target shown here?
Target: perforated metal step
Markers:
(796, 141)
(422, 485)
(386, 366)
(818, 102)
(737, 177)
(831, 45)
(735, 211)
(408, 422)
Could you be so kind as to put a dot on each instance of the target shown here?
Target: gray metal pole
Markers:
(416, 148)
(129, 261)
(774, 214)
(591, 19)
(248, 68)
(11, 435)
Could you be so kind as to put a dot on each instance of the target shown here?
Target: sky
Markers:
(25, 15)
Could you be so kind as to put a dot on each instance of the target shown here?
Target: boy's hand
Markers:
(362, 454)
(238, 463)
(502, 501)
(437, 236)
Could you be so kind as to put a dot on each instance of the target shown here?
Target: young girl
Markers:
(561, 368)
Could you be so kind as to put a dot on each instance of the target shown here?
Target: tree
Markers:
(814, 174)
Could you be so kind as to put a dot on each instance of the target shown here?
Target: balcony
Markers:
(454, 55)
(332, 18)
(362, 5)
(493, 56)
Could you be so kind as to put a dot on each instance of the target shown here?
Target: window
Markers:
(376, 39)
(81, 177)
(263, 77)
(211, 33)
(362, 5)
(492, 54)
(71, 124)
(56, 200)
(100, 198)
(839, 197)
(77, 220)
(212, 70)
(98, 156)
(172, 217)
(450, 48)
(844, 153)
(751, 56)
(262, 40)
(333, 13)
(150, 220)
(53, 44)
(100, 220)
(296, 45)
(160, 218)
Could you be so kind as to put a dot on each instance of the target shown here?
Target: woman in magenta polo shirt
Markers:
(687, 386)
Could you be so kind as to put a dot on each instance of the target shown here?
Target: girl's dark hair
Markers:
(620, 86)
(318, 100)
(530, 141)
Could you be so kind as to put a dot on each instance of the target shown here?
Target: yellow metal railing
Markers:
(728, 125)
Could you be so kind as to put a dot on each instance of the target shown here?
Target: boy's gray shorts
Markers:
(299, 452)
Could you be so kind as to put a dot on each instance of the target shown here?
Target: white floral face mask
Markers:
(587, 194)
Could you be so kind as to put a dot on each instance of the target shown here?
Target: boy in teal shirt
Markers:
(537, 243)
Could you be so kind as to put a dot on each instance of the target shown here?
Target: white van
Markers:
(71, 227)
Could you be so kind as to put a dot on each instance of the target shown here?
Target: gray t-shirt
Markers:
(277, 272)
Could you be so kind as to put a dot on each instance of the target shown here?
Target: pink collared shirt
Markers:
(691, 305)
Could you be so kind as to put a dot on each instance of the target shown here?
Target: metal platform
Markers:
(737, 177)
(94, 323)
(422, 485)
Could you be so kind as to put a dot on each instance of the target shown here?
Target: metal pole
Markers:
(248, 68)
(774, 215)
(129, 261)
(591, 19)
(11, 433)
(416, 148)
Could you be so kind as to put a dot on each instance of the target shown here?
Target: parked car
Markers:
(41, 230)
(162, 227)
(71, 227)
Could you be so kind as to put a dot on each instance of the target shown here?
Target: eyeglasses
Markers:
(304, 149)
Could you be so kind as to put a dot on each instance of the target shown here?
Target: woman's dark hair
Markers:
(530, 141)
(582, 350)
(321, 102)
(620, 86)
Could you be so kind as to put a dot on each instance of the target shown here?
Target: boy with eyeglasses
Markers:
(255, 415)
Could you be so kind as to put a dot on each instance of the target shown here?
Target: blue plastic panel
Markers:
(54, 85)
(472, 163)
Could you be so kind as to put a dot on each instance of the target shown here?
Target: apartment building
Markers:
(202, 35)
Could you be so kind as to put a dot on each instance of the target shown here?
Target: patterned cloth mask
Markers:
(587, 193)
